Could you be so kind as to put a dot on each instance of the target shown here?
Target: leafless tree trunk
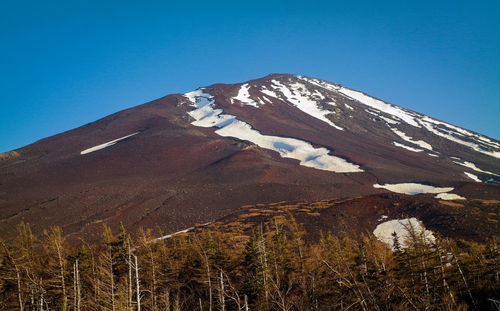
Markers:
(207, 269)
(129, 261)
(167, 299)
(263, 261)
(222, 301)
(57, 243)
(78, 287)
(137, 284)
(177, 306)
(112, 280)
(18, 276)
(465, 281)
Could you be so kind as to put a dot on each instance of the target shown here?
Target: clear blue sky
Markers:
(66, 63)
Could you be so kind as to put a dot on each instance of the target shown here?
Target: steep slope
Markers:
(195, 157)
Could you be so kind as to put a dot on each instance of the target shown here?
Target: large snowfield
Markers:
(206, 115)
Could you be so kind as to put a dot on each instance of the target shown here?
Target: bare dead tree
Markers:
(138, 293)
(206, 262)
(17, 270)
(222, 301)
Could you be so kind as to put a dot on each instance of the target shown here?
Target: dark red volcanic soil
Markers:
(353, 217)
(173, 174)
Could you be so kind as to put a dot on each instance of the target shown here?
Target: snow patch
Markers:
(388, 120)
(405, 230)
(449, 196)
(407, 147)
(168, 236)
(412, 188)
(105, 145)
(348, 107)
(432, 126)
(472, 176)
(372, 112)
(267, 99)
(403, 136)
(474, 167)
(300, 97)
(380, 105)
(206, 115)
(269, 93)
(383, 217)
(244, 97)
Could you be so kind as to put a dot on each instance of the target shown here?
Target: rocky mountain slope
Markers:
(197, 157)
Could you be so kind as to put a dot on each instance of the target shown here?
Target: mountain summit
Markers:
(197, 157)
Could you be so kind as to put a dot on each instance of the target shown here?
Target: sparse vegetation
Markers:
(9, 155)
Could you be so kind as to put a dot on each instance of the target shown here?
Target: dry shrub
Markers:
(486, 201)
(452, 204)
(250, 215)
(313, 214)
(9, 155)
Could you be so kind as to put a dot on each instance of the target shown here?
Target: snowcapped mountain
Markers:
(196, 157)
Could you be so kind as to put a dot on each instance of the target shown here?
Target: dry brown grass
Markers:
(313, 214)
(9, 155)
(250, 215)
(453, 204)
(487, 201)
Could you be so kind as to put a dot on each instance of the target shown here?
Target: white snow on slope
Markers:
(206, 115)
(450, 132)
(412, 188)
(472, 176)
(388, 120)
(109, 143)
(264, 90)
(461, 132)
(301, 97)
(431, 126)
(168, 236)
(403, 136)
(449, 196)
(380, 105)
(244, 97)
(321, 83)
(406, 147)
(267, 99)
(383, 217)
(474, 167)
(405, 229)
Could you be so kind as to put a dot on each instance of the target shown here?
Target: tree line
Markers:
(275, 267)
